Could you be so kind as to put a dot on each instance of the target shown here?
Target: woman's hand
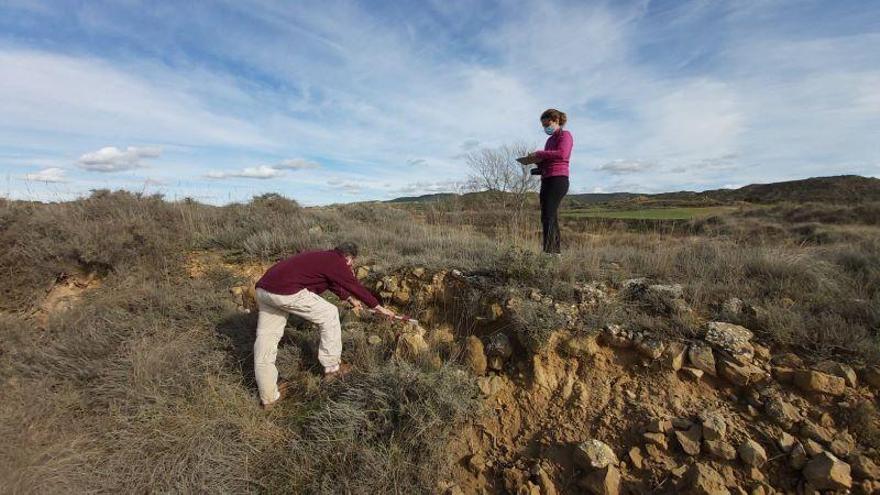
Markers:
(387, 313)
(356, 305)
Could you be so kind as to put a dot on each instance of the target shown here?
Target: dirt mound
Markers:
(64, 293)
(713, 413)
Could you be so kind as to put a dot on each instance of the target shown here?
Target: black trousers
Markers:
(553, 189)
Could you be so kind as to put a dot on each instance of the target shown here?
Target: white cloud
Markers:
(52, 174)
(621, 166)
(296, 164)
(259, 172)
(113, 159)
(265, 171)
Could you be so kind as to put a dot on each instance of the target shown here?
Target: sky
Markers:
(340, 101)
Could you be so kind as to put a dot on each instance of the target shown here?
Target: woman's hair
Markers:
(348, 249)
(554, 114)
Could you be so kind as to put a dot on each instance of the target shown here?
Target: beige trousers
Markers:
(274, 309)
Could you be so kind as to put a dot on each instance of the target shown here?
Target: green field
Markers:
(685, 213)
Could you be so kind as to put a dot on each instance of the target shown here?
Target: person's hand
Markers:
(387, 313)
(356, 305)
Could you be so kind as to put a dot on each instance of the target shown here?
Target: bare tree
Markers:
(497, 171)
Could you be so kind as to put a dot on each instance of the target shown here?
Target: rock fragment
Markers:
(702, 358)
(752, 453)
(827, 472)
(474, 355)
(594, 454)
(689, 440)
(702, 479)
(816, 381)
(733, 339)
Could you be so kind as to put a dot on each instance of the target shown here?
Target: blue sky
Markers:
(344, 101)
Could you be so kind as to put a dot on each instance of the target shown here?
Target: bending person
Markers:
(554, 168)
(293, 286)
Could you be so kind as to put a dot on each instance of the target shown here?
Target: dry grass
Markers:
(146, 384)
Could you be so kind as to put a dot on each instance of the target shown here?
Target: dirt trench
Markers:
(541, 405)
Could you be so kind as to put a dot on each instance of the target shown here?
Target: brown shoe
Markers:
(344, 369)
(282, 394)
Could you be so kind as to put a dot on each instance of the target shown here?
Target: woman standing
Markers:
(553, 166)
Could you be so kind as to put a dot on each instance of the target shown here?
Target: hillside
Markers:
(734, 355)
(835, 189)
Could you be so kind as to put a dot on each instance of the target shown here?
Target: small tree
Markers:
(497, 171)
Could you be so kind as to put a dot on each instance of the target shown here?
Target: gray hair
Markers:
(348, 249)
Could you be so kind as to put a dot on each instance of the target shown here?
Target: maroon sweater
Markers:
(316, 271)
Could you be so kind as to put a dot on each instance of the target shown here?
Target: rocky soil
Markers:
(608, 410)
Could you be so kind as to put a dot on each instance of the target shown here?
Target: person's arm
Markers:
(562, 151)
(340, 292)
(342, 278)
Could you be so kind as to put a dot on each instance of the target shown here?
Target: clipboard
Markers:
(528, 160)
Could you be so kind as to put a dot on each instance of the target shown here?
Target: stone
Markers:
(650, 348)
(786, 442)
(842, 444)
(788, 360)
(797, 457)
(720, 449)
(782, 413)
(752, 453)
(374, 340)
(813, 447)
(739, 374)
(411, 345)
(827, 472)
(815, 432)
(443, 334)
(674, 355)
(838, 369)
(490, 385)
(782, 374)
(658, 425)
(702, 479)
(636, 457)
(714, 426)
(761, 352)
(702, 358)
(682, 423)
(402, 296)
(498, 344)
(732, 308)
(674, 291)
(679, 471)
(654, 452)
(693, 374)
(594, 454)
(818, 382)
(690, 440)
(734, 339)
(605, 481)
(658, 439)
(474, 356)
(477, 463)
(581, 345)
(864, 468)
(544, 481)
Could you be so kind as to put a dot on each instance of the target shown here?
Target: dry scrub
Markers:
(145, 384)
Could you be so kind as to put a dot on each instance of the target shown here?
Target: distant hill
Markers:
(425, 198)
(835, 189)
(593, 198)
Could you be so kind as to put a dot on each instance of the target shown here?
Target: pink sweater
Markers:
(554, 158)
